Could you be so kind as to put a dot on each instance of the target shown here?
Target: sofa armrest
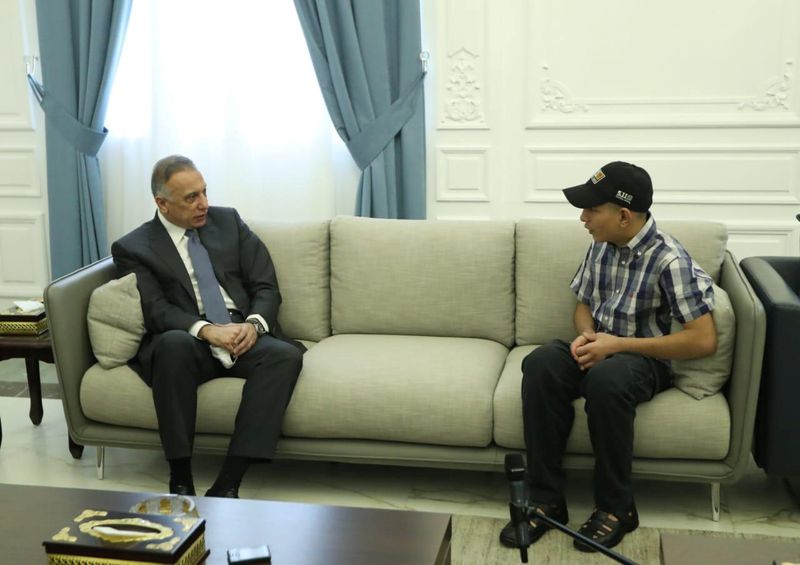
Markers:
(777, 272)
(772, 279)
(742, 389)
(67, 302)
(775, 280)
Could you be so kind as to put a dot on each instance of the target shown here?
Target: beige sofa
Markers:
(416, 331)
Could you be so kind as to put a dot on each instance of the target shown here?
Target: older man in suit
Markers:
(210, 301)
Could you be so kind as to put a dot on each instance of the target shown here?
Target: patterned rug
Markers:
(475, 541)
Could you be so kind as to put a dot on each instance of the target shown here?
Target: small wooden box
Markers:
(101, 536)
(15, 322)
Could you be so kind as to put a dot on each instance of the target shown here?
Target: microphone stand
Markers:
(521, 512)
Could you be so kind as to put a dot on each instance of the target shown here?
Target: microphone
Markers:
(518, 505)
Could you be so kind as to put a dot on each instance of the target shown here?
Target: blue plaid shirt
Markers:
(636, 290)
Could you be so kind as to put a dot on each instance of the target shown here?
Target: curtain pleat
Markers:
(366, 58)
(80, 42)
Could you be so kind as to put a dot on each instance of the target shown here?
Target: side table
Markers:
(33, 349)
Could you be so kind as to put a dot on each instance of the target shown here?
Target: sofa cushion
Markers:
(549, 253)
(115, 321)
(434, 278)
(707, 375)
(119, 396)
(431, 390)
(300, 253)
(672, 425)
(129, 402)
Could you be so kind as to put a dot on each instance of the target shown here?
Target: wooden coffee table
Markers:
(305, 534)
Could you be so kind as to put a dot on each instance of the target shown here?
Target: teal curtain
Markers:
(366, 55)
(79, 43)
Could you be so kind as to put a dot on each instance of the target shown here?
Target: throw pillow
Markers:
(706, 376)
(115, 320)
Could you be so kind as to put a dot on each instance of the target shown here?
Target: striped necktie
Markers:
(210, 294)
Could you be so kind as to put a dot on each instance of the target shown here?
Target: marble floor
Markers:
(38, 455)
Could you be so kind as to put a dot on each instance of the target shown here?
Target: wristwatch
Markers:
(260, 330)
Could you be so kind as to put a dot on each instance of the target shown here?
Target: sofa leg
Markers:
(715, 502)
(75, 449)
(101, 461)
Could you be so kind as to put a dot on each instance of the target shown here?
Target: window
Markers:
(231, 86)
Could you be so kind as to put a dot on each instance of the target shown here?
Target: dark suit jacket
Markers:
(241, 263)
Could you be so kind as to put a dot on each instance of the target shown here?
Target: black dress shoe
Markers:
(600, 527)
(230, 492)
(536, 526)
(180, 487)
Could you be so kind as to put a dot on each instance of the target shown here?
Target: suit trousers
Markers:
(180, 363)
(612, 388)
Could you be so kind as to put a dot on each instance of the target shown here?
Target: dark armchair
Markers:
(776, 281)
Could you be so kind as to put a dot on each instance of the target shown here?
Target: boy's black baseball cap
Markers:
(620, 183)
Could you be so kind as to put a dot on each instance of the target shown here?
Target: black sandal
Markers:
(605, 530)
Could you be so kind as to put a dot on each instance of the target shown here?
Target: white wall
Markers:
(526, 97)
(24, 267)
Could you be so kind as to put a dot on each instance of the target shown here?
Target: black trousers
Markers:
(180, 363)
(612, 388)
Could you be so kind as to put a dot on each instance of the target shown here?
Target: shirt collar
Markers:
(642, 239)
(175, 232)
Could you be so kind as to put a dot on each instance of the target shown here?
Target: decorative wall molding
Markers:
(462, 86)
(559, 108)
(557, 97)
(690, 83)
(776, 95)
(23, 272)
(18, 173)
(462, 104)
(746, 239)
(738, 175)
(462, 174)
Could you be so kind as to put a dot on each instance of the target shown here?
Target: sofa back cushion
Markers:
(549, 253)
(705, 241)
(300, 252)
(434, 278)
